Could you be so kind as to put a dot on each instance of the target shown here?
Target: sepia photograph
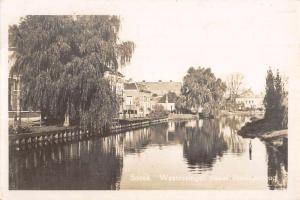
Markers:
(187, 96)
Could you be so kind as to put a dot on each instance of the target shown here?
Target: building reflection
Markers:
(136, 141)
(170, 133)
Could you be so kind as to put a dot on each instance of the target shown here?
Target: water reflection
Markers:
(250, 150)
(203, 145)
(209, 140)
(84, 165)
(179, 148)
(277, 166)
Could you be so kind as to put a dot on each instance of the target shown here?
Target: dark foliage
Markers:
(276, 101)
(202, 89)
(62, 60)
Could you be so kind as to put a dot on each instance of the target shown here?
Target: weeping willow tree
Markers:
(203, 90)
(62, 60)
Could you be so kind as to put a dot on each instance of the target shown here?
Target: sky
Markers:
(246, 37)
(229, 36)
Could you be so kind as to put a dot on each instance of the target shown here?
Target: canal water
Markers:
(198, 154)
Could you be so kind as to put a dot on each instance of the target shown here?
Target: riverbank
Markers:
(57, 133)
(53, 128)
(63, 134)
(183, 117)
(246, 113)
(263, 130)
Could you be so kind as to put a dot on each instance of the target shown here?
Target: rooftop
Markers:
(162, 86)
(130, 86)
(249, 94)
(172, 97)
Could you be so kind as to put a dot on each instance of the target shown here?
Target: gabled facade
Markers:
(137, 100)
(168, 101)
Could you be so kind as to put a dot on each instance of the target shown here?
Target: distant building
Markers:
(161, 88)
(14, 92)
(116, 80)
(17, 114)
(168, 101)
(14, 84)
(14, 88)
(137, 100)
(248, 100)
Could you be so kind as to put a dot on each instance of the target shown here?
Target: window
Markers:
(129, 100)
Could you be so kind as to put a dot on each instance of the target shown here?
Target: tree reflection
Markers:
(204, 144)
(230, 125)
(83, 165)
(277, 166)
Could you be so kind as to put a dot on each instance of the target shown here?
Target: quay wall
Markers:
(69, 134)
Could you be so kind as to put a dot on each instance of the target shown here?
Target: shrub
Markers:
(19, 129)
(158, 112)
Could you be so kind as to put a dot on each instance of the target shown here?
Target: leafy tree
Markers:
(180, 103)
(203, 90)
(62, 60)
(269, 99)
(158, 112)
(276, 102)
(281, 102)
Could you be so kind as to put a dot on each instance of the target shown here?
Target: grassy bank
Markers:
(246, 113)
(173, 116)
(265, 131)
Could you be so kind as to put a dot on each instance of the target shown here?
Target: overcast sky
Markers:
(228, 36)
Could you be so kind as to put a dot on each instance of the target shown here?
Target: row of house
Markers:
(139, 98)
(136, 98)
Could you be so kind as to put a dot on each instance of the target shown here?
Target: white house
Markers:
(137, 101)
(168, 101)
(248, 100)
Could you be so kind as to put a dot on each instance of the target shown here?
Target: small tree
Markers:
(180, 103)
(158, 112)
